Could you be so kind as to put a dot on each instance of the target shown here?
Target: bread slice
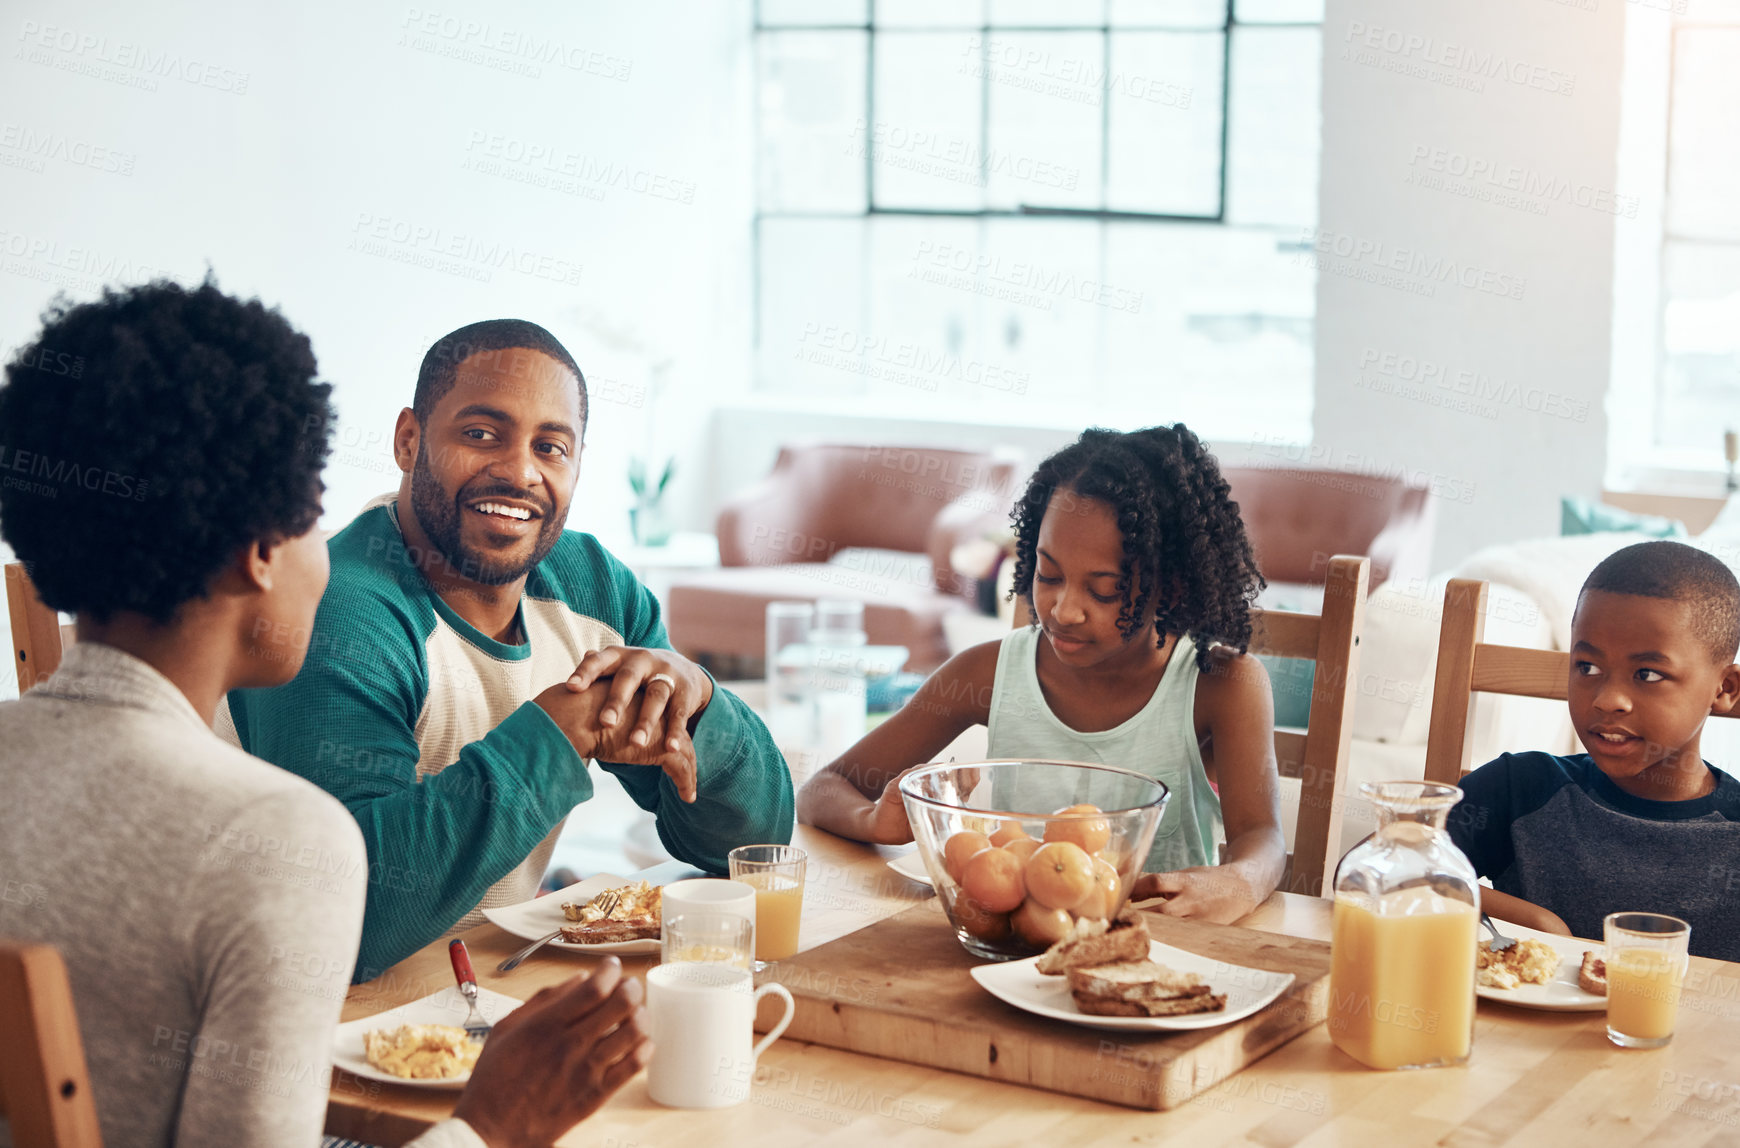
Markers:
(1592, 975)
(635, 915)
(1135, 981)
(1176, 1006)
(1094, 942)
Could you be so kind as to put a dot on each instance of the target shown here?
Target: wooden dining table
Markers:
(1535, 1078)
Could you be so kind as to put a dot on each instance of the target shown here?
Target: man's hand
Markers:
(631, 668)
(1216, 893)
(579, 712)
(556, 1059)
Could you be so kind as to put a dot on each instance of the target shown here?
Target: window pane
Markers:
(809, 13)
(1163, 116)
(1045, 92)
(811, 304)
(1273, 144)
(930, 13)
(927, 139)
(1224, 340)
(924, 314)
(1703, 161)
(1700, 382)
(1048, 13)
(1168, 13)
(811, 103)
(1278, 11)
(1046, 302)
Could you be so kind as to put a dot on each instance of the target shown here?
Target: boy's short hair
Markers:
(147, 436)
(1684, 574)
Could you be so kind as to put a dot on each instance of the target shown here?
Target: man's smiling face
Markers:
(497, 462)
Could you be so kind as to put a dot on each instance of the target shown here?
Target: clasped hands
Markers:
(634, 706)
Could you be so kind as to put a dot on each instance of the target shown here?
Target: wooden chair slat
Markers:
(1290, 752)
(1284, 634)
(37, 637)
(1521, 672)
(45, 1089)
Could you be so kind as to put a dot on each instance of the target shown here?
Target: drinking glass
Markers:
(701, 938)
(1646, 967)
(776, 873)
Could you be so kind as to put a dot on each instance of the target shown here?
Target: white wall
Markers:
(333, 158)
(1404, 79)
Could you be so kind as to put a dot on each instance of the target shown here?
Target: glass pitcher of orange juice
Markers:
(1407, 915)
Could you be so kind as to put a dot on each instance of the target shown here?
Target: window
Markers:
(1698, 394)
(1046, 211)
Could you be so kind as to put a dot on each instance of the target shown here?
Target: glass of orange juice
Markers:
(776, 873)
(1646, 966)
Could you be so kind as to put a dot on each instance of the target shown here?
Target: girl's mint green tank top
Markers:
(1159, 740)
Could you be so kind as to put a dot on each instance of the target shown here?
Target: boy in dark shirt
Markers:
(1641, 821)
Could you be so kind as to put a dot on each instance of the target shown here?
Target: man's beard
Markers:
(442, 517)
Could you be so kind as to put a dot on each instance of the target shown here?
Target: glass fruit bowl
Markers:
(1020, 850)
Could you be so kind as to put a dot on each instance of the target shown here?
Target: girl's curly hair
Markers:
(1184, 543)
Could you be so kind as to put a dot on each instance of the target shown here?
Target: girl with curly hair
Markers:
(1134, 564)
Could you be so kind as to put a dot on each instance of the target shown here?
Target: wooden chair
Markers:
(1467, 666)
(1316, 755)
(38, 638)
(45, 1090)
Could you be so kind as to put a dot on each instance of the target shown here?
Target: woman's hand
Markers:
(886, 823)
(1218, 893)
(556, 1059)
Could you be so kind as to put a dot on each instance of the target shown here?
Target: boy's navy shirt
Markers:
(1558, 832)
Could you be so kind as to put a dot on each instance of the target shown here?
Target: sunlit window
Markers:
(1018, 208)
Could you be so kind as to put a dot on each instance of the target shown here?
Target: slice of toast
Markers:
(1094, 942)
(1176, 1006)
(1135, 981)
(635, 916)
(1592, 975)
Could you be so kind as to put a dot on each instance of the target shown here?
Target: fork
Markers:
(606, 901)
(1500, 942)
(475, 1026)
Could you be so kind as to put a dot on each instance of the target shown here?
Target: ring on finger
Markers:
(666, 679)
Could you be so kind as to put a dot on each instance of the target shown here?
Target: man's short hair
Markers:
(440, 369)
(1685, 574)
(148, 436)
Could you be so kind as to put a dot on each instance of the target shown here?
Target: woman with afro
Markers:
(1133, 561)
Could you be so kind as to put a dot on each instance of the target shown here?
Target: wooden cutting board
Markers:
(900, 989)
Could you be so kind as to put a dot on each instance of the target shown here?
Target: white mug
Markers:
(708, 895)
(703, 1020)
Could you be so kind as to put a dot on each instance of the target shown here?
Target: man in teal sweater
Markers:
(469, 657)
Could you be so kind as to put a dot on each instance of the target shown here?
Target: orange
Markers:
(980, 921)
(959, 849)
(1022, 847)
(1091, 833)
(993, 879)
(1039, 926)
(1010, 832)
(1103, 898)
(1059, 874)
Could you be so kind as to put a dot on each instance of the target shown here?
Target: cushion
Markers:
(1581, 516)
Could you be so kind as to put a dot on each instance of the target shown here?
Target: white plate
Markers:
(532, 919)
(444, 1007)
(1560, 994)
(1019, 983)
(911, 866)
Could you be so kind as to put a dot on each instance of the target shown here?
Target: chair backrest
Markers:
(1469, 666)
(1297, 518)
(37, 635)
(45, 1090)
(1316, 755)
